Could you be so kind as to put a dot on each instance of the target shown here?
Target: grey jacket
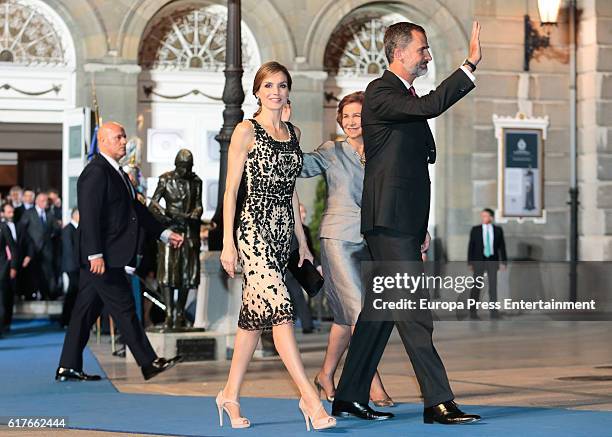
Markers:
(344, 175)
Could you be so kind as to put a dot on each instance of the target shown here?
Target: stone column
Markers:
(307, 114)
(116, 90)
(595, 130)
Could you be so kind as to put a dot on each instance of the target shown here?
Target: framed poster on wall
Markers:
(164, 144)
(521, 166)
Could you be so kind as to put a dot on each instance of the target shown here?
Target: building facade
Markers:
(156, 66)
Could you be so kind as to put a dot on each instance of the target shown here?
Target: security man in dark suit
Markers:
(42, 228)
(486, 249)
(394, 216)
(111, 221)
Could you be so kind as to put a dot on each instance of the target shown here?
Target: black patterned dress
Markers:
(266, 228)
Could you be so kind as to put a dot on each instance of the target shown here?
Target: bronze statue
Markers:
(179, 268)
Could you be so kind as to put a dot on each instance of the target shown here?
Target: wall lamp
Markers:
(549, 11)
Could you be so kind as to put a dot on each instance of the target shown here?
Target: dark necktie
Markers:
(127, 181)
(412, 92)
(43, 219)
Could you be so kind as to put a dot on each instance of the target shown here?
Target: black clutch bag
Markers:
(308, 276)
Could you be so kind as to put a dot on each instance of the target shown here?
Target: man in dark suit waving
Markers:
(394, 213)
(486, 249)
(111, 221)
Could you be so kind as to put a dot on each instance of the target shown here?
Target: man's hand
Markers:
(475, 55)
(425, 245)
(26, 261)
(13, 273)
(96, 266)
(503, 267)
(175, 240)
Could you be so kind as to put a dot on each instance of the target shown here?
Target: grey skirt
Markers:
(341, 263)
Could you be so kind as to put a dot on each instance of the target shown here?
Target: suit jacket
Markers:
(110, 218)
(18, 213)
(70, 262)
(476, 245)
(40, 237)
(398, 147)
(344, 177)
(22, 245)
(7, 246)
(56, 212)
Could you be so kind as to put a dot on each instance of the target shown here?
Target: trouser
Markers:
(490, 267)
(113, 291)
(70, 299)
(370, 337)
(4, 290)
(296, 294)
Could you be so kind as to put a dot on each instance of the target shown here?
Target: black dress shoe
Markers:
(64, 374)
(158, 366)
(448, 413)
(357, 409)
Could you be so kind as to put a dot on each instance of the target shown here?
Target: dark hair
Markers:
(399, 35)
(4, 205)
(267, 69)
(356, 97)
(490, 211)
(74, 211)
(52, 190)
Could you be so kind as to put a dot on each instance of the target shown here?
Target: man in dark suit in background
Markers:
(55, 208)
(28, 199)
(394, 215)
(111, 220)
(486, 249)
(16, 200)
(41, 228)
(21, 256)
(70, 265)
(9, 259)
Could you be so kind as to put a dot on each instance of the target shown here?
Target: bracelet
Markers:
(469, 64)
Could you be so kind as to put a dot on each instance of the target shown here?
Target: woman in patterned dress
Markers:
(265, 152)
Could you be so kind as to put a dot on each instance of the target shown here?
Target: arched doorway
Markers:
(355, 55)
(37, 84)
(182, 55)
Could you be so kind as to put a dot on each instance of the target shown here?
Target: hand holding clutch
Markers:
(307, 275)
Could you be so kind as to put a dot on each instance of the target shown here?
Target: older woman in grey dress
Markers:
(342, 245)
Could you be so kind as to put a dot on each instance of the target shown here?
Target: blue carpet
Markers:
(28, 358)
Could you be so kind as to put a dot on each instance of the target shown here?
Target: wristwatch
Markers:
(469, 64)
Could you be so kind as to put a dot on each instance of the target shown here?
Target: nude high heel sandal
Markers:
(322, 423)
(238, 422)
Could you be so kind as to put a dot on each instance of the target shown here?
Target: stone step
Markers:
(37, 309)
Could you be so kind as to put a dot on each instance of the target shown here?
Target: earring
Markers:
(258, 101)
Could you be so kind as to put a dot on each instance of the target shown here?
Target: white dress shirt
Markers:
(41, 213)
(487, 232)
(115, 165)
(11, 226)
